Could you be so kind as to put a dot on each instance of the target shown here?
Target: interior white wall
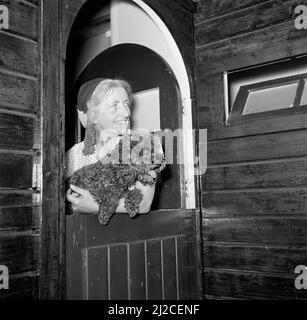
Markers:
(146, 110)
(130, 24)
(90, 48)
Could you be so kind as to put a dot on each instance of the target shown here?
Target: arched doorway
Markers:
(145, 71)
(153, 256)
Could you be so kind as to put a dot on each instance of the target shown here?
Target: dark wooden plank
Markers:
(169, 269)
(118, 272)
(74, 257)
(19, 253)
(29, 294)
(260, 147)
(183, 268)
(192, 267)
(165, 10)
(210, 101)
(97, 273)
(260, 175)
(18, 93)
(21, 287)
(18, 55)
(244, 21)
(19, 218)
(23, 18)
(70, 9)
(188, 5)
(258, 126)
(154, 272)
(211, 8)
(189, 282)
(276, 42)
(16, 131)
(14, 198)
(167, 223)
(252, 258)
(137, 271)
(53, 220)
(31, 1)
(181, 25)
(15, 171)
(251, 286)
(268, 231)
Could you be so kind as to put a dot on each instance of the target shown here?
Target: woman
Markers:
(104, 109)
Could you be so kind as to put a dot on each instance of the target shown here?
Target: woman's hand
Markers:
(81, 200)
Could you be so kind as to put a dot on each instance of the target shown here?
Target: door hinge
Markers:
(187, 190)
(183, 104)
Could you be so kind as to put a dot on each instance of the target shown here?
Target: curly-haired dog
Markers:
(113, 177)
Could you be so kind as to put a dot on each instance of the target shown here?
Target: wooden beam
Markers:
(52, 268)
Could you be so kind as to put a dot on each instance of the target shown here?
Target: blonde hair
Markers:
(105, 87)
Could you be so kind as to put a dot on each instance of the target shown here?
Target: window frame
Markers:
(235, 114)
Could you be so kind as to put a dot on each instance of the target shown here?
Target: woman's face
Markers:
(113, 112)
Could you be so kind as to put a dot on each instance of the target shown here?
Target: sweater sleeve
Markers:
(74, 159)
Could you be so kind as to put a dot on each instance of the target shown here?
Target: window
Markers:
(275, 94)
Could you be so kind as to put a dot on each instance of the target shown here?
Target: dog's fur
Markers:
(113, 177)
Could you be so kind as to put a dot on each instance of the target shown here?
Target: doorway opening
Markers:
(101, 26)
(154, 255)
(152, 83)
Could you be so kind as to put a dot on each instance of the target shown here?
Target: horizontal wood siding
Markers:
(23, 18)
(19, 149)
(260, 147)
(17, 132)
(19, 252)
(18, 93)
(254, 258)
(16, 171)
(19, 218)
(254, 191)
(251, 285)
(261, 230)
(244, 21)
(238, 52)
(270, 174)
(19, 54)
(212, 9)
(23, 286)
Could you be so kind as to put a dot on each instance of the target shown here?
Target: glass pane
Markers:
(304, 96)
(269, 99)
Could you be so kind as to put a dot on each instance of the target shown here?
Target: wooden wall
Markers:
(20, 149)
(31, 151)
(254, 195)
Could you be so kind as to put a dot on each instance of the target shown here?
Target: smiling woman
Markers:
(109, 107)
(104, 106)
